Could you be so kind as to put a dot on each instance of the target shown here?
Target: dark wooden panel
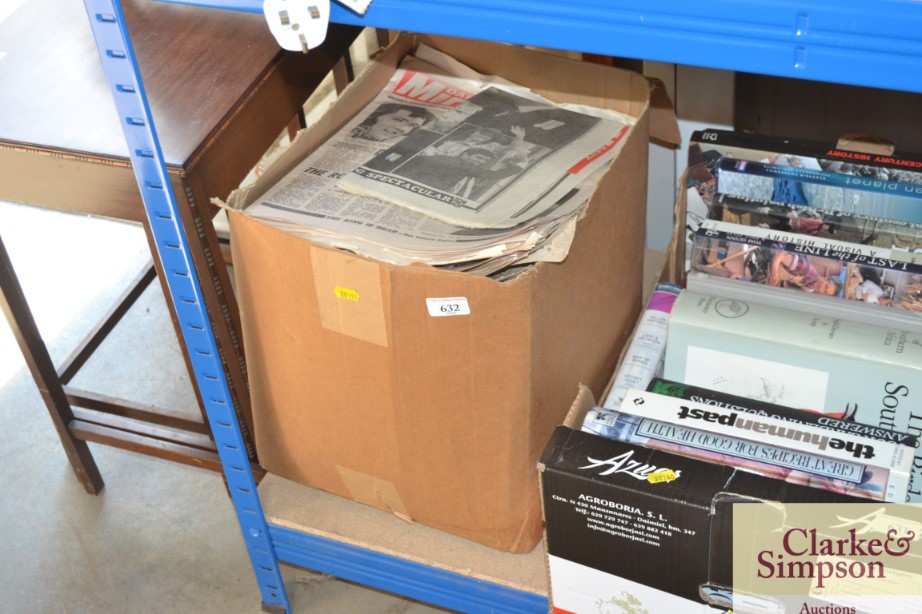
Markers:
(188, 420)
(61, 181)
(134, 442)
(826, 111)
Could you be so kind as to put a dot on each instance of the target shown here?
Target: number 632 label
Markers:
(456, 306)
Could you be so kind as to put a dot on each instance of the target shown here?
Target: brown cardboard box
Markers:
(441, 420)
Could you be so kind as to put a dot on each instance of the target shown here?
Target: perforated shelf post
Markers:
(120, 65)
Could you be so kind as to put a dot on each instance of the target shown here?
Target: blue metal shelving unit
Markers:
(875, 43)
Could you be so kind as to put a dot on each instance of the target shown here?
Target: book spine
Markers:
(644, 357)
(790, 298)
(876, 277)
(824, 190)
(865, 255)
(828, 155)
(769, 460)
(764, 429)
(833, 224)
(764, 169)
(732, 402)
(871, 466)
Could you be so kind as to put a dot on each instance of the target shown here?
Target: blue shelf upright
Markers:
(120, 65)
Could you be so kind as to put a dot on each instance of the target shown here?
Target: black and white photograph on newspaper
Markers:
(503, 137)
(496, 159)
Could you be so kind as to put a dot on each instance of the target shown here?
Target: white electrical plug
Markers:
(300, 25)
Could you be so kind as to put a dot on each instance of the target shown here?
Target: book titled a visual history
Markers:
(800, 359)
(822, 268)
(825, 223)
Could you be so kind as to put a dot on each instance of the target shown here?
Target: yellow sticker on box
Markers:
(346, 293)
(663, 475)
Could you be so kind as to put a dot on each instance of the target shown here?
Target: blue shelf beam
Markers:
(404, 577)
(875, 43)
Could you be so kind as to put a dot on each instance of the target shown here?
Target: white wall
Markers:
(703, 98)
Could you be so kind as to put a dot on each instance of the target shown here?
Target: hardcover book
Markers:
(825, 223)
(824, 190)
(818, 266)
(792, 450)
(787, 298)
(644, 357)
(800, 359)
(733, 402)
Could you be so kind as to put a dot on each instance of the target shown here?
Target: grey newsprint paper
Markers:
(398, 182)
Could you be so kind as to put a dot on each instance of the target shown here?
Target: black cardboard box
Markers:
(634, 530)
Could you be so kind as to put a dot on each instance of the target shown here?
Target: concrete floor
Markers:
(161, 537)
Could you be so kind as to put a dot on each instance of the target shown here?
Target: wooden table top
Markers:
(195, 64)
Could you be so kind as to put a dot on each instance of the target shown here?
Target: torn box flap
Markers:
(664, 126)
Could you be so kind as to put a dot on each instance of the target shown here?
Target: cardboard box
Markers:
(618, 541)
(441, 420)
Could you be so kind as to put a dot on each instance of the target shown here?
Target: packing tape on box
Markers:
(349, 295)
(373, 491)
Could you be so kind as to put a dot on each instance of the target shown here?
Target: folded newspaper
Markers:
(448, 166)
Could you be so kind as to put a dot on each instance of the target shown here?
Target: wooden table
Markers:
(221, 91)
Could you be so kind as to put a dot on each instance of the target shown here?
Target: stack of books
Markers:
(800, 319)
(807, 221)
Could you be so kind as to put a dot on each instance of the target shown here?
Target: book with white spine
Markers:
(843, 462)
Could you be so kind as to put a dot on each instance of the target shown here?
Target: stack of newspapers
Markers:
(803, 224)
(450, 168)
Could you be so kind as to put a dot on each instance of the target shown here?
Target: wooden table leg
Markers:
(343, 73)
(17, 313)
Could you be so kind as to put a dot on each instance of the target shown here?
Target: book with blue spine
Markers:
(824, 223)
(800, 359)
(894, 200)
(821, 155)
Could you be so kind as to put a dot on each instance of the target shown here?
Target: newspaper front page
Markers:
(493, 159)
(309, 202)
